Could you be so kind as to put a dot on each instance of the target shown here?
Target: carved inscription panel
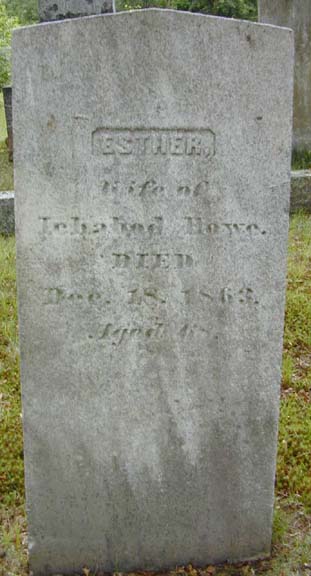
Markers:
(158, 240)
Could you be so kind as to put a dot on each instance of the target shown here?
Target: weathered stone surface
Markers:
(295, 14)
(6, 213)
(152, 216)
(63, 9)
(300, 198)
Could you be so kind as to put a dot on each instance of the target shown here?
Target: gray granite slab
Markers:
(63, 9)
(295, 14)
(7, 213)
(152, 204)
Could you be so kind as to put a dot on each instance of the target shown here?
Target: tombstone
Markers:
(152, 205)
(295, 14)
(62, 9)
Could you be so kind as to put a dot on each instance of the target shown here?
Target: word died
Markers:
(151, 261)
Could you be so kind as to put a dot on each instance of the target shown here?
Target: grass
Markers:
(301, 160)
(292, 520)
(294, 456)
(12, 517)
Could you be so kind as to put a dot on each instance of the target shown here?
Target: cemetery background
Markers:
(292, 527)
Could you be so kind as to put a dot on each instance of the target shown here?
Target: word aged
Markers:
(119, 334)
(122, 334)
